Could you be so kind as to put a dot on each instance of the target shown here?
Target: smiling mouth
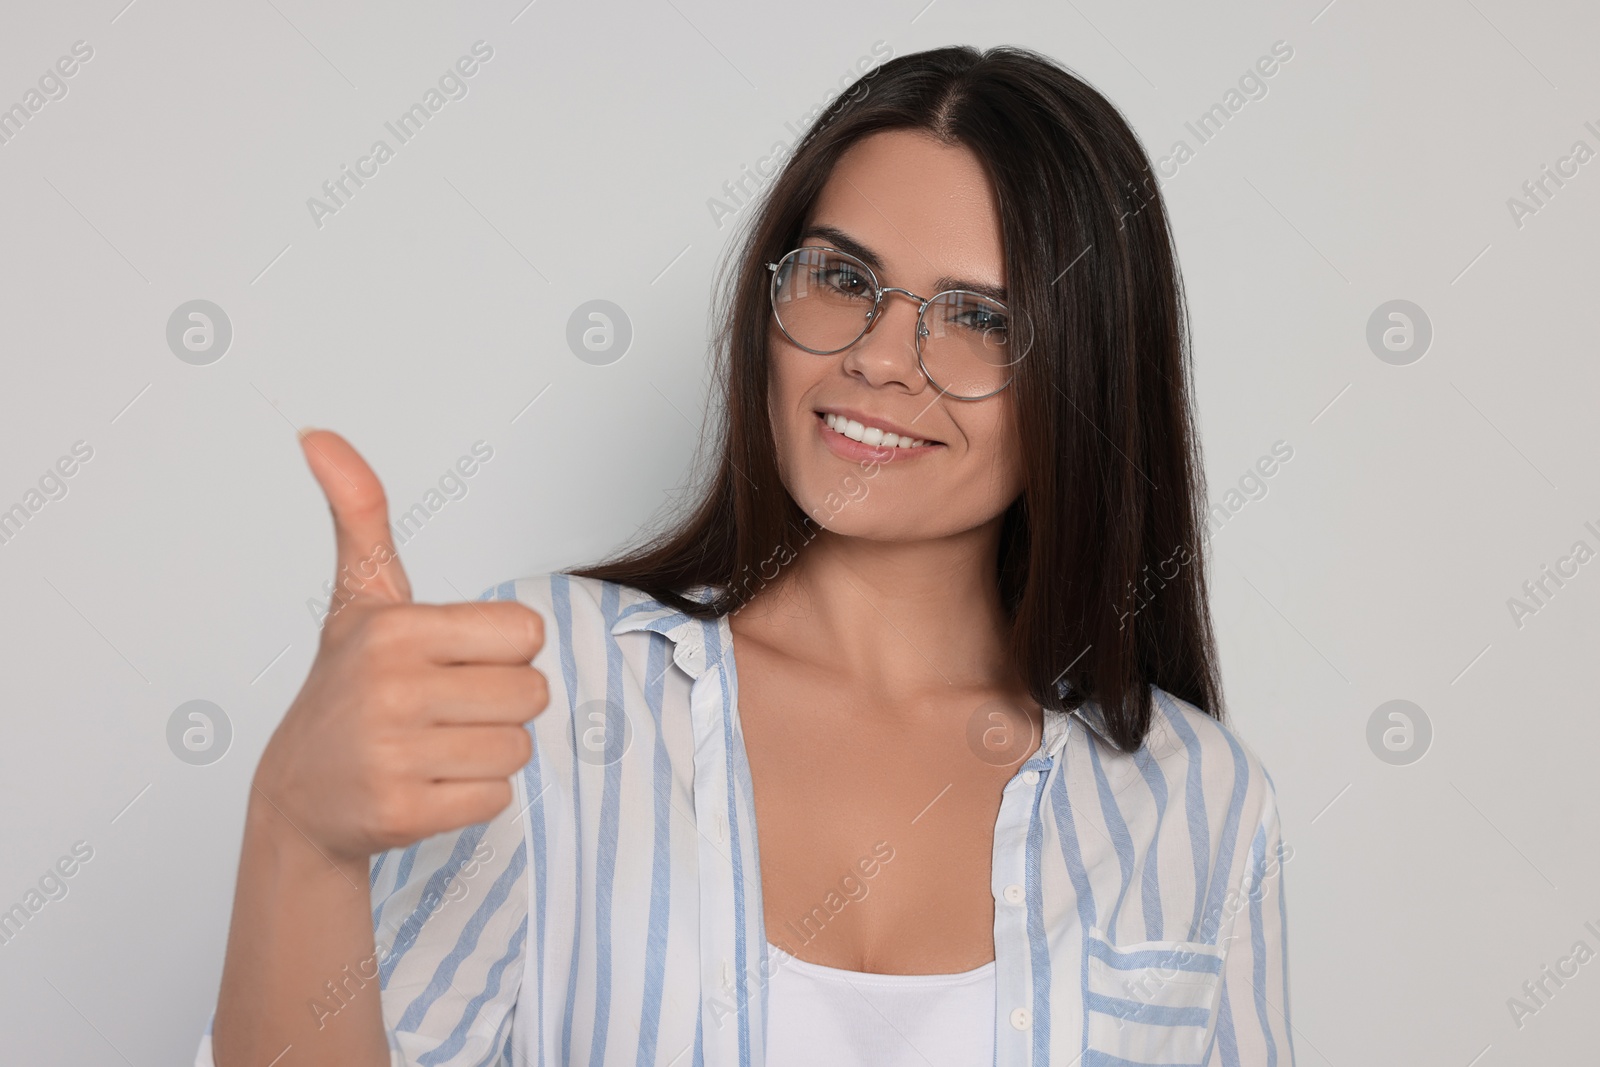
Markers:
(872, 436)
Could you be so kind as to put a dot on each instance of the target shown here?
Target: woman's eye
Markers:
(845, 281)
(984, 321)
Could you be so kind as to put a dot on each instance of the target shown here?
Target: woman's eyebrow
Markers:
(845, 243)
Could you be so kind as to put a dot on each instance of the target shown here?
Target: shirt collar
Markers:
(1091, 715)
(688, 635)
(650, 614)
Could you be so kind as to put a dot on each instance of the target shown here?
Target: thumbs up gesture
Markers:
(413, 716)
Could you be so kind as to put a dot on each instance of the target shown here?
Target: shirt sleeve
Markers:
(450, 921)
(1253, 1028)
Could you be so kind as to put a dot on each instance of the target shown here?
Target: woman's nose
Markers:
(887, 353)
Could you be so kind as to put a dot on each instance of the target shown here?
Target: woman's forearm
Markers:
(300, 940)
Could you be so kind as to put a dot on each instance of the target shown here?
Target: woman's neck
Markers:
(893, 616)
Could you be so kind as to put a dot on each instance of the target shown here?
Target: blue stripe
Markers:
(1067, 833)
(1195, 804)
(495, 975)
(1227, 1044)
(408, 857)
(561, 600)
(1150, 884)
(1038, 937)
(1283, 955)
(465, 845)
(500, 1047)
(1230, 835)
(506, 1055)
(533, 787)
(1283, 924)
(713, 638)
(1092, 1058)
(1154, 1014)
(614, 739)
(534, 835)
(665, 622)
(655, 958)
(746, 797)
(1258, 941)
(1121, 841)
(1179, 959)
(377, 865)
(444, 974)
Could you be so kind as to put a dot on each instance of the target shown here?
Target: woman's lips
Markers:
(861, 452)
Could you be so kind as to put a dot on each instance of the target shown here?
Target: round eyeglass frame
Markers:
(878, 291)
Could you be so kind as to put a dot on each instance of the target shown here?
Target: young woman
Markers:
(904, 747)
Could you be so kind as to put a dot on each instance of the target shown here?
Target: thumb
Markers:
(368, 565)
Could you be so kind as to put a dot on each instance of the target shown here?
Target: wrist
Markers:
(272, 831)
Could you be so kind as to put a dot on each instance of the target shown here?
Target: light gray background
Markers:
(433, 308)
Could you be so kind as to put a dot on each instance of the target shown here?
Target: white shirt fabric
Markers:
(612, 915)
(826, 1015)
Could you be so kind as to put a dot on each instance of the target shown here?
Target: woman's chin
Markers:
(873, 520)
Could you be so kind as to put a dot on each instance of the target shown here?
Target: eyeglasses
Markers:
(967, 345)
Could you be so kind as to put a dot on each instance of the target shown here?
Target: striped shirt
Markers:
(612, 914)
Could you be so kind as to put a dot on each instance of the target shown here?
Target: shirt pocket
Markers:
(1149, 1002)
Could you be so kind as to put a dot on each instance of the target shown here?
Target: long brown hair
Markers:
(1100, 565)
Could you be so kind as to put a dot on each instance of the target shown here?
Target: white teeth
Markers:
(870, 435)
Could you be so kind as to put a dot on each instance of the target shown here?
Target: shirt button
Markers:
(1013, 894)
(1031, 777)
(1020, 1018)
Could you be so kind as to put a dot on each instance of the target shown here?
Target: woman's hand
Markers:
(411, 722)
(412, 718)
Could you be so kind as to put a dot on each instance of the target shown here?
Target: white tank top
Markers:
(824, 1015)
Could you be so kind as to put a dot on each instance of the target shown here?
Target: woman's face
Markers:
(926, 214)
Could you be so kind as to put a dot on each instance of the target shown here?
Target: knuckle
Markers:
(384, 628)
(535, 630)
(538, 697)
(393, 817)
(388, 696)
(519, 747)
(385, 757)
(525, 628)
